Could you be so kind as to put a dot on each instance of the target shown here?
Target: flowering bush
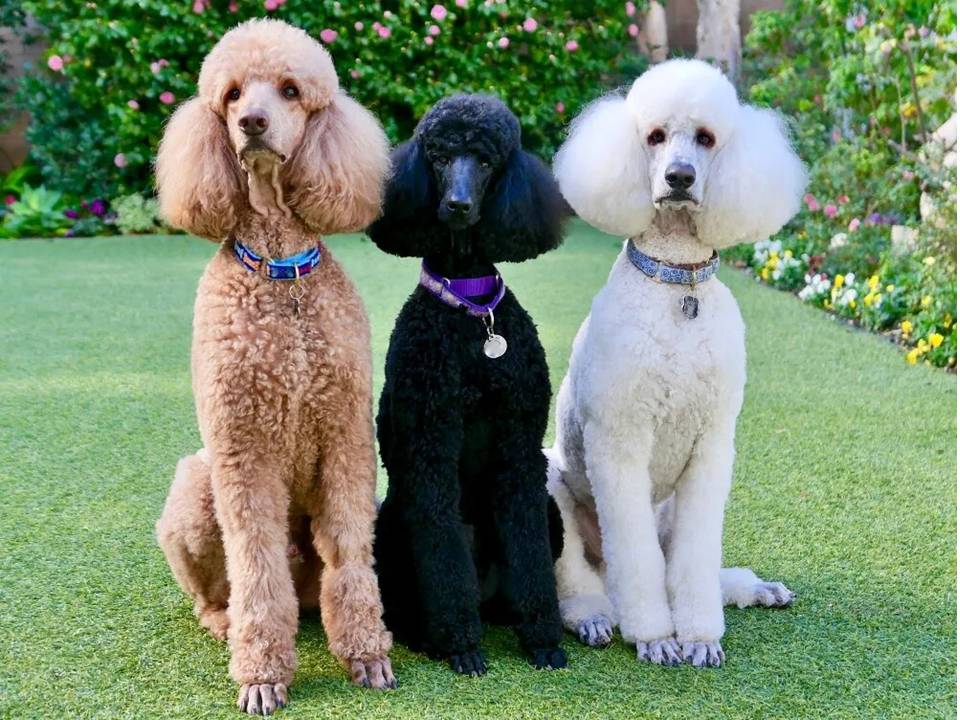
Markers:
(865, 86)
(116, 69)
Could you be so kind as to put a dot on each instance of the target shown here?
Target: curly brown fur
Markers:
(277, 509)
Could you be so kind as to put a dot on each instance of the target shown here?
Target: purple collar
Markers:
(455, 292)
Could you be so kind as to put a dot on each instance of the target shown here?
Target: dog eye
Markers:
(656, 137)
(233, 95)
(290, 92)
(705, 138)
(484, 163)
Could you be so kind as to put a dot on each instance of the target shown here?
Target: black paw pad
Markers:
(469, 663)
(549, 659)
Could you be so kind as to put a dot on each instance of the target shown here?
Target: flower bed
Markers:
(866, 90)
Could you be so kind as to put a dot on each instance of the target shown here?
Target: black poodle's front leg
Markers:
(520, 516)
(423, 464)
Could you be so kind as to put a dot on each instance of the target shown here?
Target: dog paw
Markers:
(471, 663)
(660, 652)
(595, 631)
(216, 623)
(772, 594)
(263, 699)
(549, 659)
(376, 673)
(703, 654)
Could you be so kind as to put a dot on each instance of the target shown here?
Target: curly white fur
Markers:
(647, 412)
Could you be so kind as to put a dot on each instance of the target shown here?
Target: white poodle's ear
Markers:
(602, 169)
(755, 184)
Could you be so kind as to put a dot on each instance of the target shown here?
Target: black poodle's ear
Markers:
(524, 213)
(408, 226)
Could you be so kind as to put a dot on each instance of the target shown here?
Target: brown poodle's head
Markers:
(265, 79)
(270, 114)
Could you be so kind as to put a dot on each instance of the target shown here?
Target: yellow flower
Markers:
(908, 109)
(925, 302)
(889, 288)
(873, 282)
(838, 281)
(869, 298)
(774, 255)
(929, 260)
(948, 321)
(853, 304)
(922, 345)
(936, 339)
(906, 327)
(765, 273)
(912, 356)
(788, 253)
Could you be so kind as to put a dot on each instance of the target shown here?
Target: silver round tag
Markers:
(494, 346)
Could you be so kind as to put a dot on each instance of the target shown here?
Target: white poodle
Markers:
(642, 465)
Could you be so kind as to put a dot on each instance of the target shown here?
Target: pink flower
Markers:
(560, 107)
(9, 200)
(434, 30)
(843, 200)
(503, 42)
(328, 36)
(859, 21)
(358, 26)
(529, 24)
(198, 6)
(355, 74)
(907, 175)
(384, 32)
(133, 104)
(167, 97)
(830, 210)
(376, 25)
(55, 63)
(438, 12)
(461, 3)
(630, 9)
(854, 225)
(154, 67)
(232, 7)
(120, 160)
(837, 137)
(924, 31)
(572, 46)
(633, 30)
(811, 201)
(270, 5)
(428, 40)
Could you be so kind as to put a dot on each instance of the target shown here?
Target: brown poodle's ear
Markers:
(199, 180)
(334, 181)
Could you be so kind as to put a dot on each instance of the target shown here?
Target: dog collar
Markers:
(456, 292)
(692, 274)
(289, 268)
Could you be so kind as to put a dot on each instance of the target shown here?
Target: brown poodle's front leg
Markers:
(251, 502)
(343, 535)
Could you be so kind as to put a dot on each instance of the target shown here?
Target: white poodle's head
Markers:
(680, 140)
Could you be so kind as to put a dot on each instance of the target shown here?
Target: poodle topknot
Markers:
(481, 123)
(738, 175)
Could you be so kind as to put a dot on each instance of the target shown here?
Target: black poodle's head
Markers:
(464, 185)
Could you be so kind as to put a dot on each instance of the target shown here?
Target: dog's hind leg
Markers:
(190, 538)
(738, 586)
(584, 606)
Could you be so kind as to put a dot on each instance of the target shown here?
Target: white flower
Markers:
(838, 241)
(849, 279)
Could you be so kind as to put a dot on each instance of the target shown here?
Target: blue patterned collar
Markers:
(693, 274)
(290, 268)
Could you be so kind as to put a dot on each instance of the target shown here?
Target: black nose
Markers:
(680, 176)
(254, 123)
(461, 207)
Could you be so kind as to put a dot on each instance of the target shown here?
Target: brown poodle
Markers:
(278, 506)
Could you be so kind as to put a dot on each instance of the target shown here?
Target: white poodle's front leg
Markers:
(618, 470)
(694, 552)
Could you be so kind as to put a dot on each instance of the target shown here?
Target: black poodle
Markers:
(467, 530)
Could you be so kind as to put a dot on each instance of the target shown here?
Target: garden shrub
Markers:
(117, 69)
(864, 87)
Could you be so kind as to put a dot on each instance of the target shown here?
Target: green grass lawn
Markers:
(845, 489)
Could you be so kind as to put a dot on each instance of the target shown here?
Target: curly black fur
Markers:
(466, 531)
